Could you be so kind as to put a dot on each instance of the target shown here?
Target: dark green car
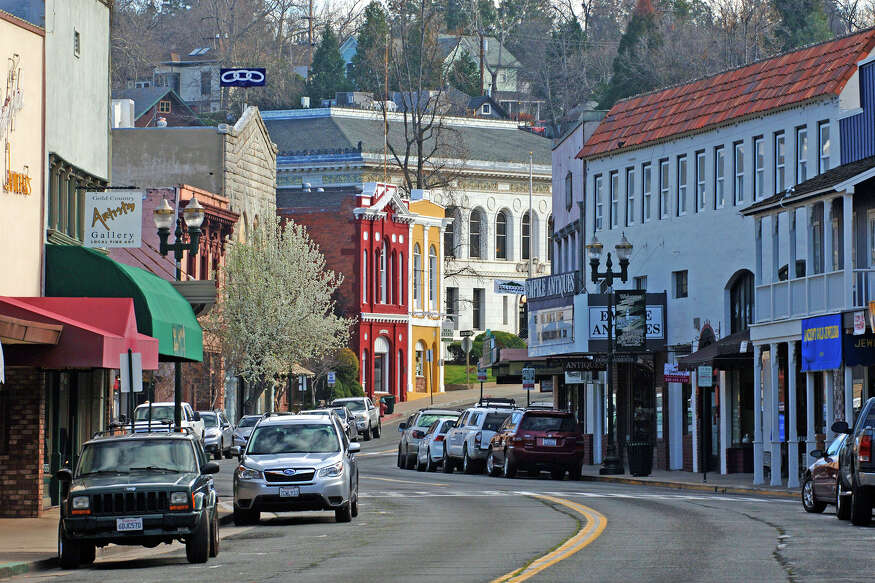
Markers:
(139, 489)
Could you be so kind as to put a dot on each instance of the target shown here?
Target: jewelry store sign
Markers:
(114, 218)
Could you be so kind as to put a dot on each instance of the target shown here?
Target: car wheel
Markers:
(429, 464)
(469, 466)
(420, 466)
(368, 432)
(227, 453)
(87, 553)
(68, 551)
(843, 503)
(354, 507)
(376, 432)
(344, 513)
(214, 534)
(509, 469)
(557, 473)
(400, 459)
(491, 468)
(218, 454)
(244, 517)
(448, 463)
(861, 507)
(574, 473)
(809, 502)
(197, 546)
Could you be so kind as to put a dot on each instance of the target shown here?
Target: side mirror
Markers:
(235, 450)
(210, 468)
(816, 453)
(841, 427)
(196, 416)
(355, 447)
(64, 475)
(402, 426)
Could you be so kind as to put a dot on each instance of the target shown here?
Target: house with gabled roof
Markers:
(671, 170)
(154, 106)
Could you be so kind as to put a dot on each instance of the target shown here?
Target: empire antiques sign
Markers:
(627, 320)
(114, 218)
(561, 285)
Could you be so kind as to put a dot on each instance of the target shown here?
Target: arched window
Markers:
(450, 234)
(527, 236)
(390, 283)
(501, 235)
(475, 224)
(741, 300)
(432, 278)
(569, 192)
(550, 238)
(383, 291)
(417, 277)
(364, 277)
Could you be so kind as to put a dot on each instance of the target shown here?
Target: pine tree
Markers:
(802, 22)
(465, 74)
(632, 71)
(327, 75)
(367, 65)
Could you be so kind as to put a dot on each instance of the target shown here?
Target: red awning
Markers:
(95, 332)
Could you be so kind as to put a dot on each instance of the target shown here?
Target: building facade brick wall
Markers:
(22, 406)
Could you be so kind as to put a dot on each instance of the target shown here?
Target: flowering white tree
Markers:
(274, 308)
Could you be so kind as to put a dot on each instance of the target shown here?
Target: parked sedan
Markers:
(536, 440)
(244, 429)
(348, 420)
(467, 444)
(218, 434)
(414, 429)
(431, 447)
(820, 480)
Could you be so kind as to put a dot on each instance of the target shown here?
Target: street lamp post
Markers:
(611, 463)
(193, 217)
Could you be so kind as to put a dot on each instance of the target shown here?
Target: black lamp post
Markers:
(611, 463)
(193, 217)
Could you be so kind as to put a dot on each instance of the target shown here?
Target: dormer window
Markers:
(164, 106)
(486, 109)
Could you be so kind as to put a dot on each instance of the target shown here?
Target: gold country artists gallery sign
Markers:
(114, 218)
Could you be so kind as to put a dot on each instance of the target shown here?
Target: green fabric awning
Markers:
(162, 313)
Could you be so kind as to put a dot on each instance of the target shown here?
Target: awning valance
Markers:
(724, 354)
(93, 333)
(161, 311)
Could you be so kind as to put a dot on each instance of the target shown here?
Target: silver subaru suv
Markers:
(296, 462)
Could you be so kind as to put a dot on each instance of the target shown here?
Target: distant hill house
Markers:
(152, 104)
(194, 76)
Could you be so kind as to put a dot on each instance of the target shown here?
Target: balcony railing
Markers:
(864, 287)
(802, 296)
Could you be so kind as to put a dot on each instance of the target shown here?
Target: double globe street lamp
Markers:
(611, 463)
(193, 218)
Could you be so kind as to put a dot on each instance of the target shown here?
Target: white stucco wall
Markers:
(77, 87)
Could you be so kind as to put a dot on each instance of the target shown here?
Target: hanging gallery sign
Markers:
(114, 218)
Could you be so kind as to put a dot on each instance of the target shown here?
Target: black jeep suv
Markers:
(139, 489)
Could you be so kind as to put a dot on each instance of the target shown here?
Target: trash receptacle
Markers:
(389, 401)
(640, 458)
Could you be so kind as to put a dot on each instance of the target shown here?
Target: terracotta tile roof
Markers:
(787, 79)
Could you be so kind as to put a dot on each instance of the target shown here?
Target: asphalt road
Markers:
(441, 528)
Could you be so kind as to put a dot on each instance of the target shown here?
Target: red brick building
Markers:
(364, 234)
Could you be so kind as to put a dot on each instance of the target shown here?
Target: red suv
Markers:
(536, 440)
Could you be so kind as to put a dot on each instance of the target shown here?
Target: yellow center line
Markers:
(401, 481)
(591, 530)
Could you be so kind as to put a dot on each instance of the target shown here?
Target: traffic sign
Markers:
(467, 343)
(466, 333)
(332, 378)
(481, 374)
(126, 374)
(528, 379)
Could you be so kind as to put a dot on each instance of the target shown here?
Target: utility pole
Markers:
(482, 61)
(310, 32)
(531, 222)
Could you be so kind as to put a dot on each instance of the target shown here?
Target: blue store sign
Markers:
(822, 343)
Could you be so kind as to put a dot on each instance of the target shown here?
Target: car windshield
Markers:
(210, 419)
(340, 411)
(160, 413)
(428, 418)
(354, 405)
(293, 438)
(494, 420)
(547, 423)
(248, 421)
(124, 456)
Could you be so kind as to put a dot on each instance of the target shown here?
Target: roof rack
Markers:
(275, 414)
(117, 429)
(496, 402)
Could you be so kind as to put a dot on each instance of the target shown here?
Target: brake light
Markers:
(478, 436)
(865, 451)
(439, 438)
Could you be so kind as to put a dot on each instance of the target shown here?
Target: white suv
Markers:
(467, 444)
(162, 418)
(367, 417)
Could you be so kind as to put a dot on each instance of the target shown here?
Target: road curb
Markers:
(697, 487)
(13, 568)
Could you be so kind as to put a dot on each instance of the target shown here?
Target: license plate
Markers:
(289, 491)
(551, 442)
(127, 524)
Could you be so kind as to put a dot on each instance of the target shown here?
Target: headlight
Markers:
(332, 471)
(80, 503)
(245, 473)
(179, 498)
